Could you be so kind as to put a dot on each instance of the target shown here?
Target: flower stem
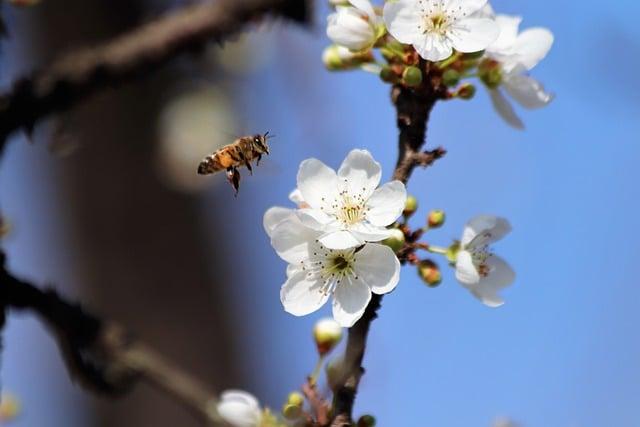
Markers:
(437, 250)
(313, 378)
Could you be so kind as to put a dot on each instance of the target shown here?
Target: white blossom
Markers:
(517, 53)
(347, 207)
(355, 27)
(316, 272)
(276, 214)
(239, 409)
(436, 27)
(477, 268)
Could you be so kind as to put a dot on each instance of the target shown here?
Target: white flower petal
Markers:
(291, 240)
(365, 6)
(505, 109)
(387, 203)
(366, 232)
(433, 47)
(302, 294)
(466, 272)
(465, 7)
(350, 28)
(473, 34)
(239, 409)
(527, 91)
(378, 266)
(296, 197)
(532, 45)
(317, 182)
(508, 34)
(350, 300)
(314, 218)
(292, 269)
(360, 173)
(402, 20)
(274, 216)
(500, 276)
(484, 229)
(341, 239)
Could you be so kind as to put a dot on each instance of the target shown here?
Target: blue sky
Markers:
(563, 351)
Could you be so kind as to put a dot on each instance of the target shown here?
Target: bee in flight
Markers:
(240, 152)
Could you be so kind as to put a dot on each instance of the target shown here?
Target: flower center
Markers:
(351, 210)
(330, 266)
(480, 255)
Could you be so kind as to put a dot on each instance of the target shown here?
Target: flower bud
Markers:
(9, 407)
(291, 412)
(295, 398)
(430, 273)
(336, 58)
(436, 218)
(366, 421)
(466, 91)
(490, 72)
(395, 241)
(327, 333)
(451, 77)
(387, 75)
(412, 76)
(410, 206)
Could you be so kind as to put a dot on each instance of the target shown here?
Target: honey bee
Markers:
(239, 153)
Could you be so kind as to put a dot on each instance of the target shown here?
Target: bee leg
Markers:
(259, 157)
(233, 176)
(248, 165)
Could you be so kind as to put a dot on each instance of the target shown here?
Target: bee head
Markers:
(261, 142)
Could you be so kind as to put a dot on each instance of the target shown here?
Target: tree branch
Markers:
(100, 354)
(413, 107)
(75, 76)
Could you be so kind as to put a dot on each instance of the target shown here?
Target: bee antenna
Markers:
(267, 136)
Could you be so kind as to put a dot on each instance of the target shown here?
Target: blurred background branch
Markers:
(100, 354)
(75, 76)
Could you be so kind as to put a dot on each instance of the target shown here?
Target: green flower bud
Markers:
(395, 241)
(490, 72)
(430, 273)
(466, 91)
(327, 333)
(436, 218)
(451, 77)
(387, 75)
(366, 421)
(295, 398)
(291, 412)
(410, 206)
(412, 76)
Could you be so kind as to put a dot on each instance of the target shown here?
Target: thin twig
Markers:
(100, 354)
(71, 78)
(413, 106)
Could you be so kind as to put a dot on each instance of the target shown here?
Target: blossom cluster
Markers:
(344, 237)
(464, 38)
(331, 241)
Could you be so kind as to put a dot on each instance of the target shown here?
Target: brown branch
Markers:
(413, 107)
(99, 354)
(75, 76)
